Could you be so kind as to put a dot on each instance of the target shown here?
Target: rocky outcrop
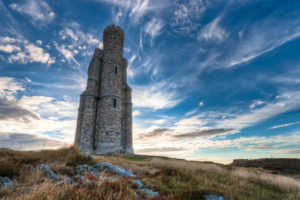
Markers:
(6, 182)
(47, 171)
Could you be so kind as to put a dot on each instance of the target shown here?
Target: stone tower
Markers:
(104, 123)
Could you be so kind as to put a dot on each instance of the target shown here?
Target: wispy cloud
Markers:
(136, 9)
(259, 147)
(39, 11)
(202, 133)
(73, 41)
(213, 31)
(194, 111)
(9, 26)
(259, 41)
(187, 16)
(256, 103)
(68, 54)
(284, 125)
(282, 103)
(154, 28)
(155, 96)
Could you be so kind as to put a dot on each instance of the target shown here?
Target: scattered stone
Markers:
(68, 180)
(150, 193)
(91, 156)
(83, 179)
(92, 170)
(6, 182)
(213, 197)
(114, 169)
(139, 183)
(48, 172)
(80, 169)
(109, 179)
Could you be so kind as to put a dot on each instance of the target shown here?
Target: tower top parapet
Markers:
(113, 39)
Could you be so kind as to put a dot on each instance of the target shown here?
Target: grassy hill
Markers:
(172, 178)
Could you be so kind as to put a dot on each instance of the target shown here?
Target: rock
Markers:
(48, 172)
(213, 197)
(68, 180)
(80, 169)
(114, 169)
(150, 193)
(139, 183)
(92, 170)
(83, 179)
(109, 179)
(91, 156)
(6, 182)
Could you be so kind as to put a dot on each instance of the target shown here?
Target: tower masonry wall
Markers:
(104, 123)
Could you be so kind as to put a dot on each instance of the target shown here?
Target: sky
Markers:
(212, 80)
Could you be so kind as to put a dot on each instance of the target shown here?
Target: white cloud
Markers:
(187, 16)
(38, 10)
(283, 103)
(9, 87)
(136, 9)
(194, 111)
(155, 96)
(117, 15)
(73, 41)
(39, 42)
(37, 54)
(24, 52)
(68, 54)
(38, 115)
(9, 48)
(259, 41)
(32, 53)
(213, 31)
(130, 61)
(256, 103)
(285, 125)
(154, 28)
(136, 113)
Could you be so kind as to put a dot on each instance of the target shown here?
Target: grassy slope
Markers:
(172, 178)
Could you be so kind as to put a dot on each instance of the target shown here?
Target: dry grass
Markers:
(283, 182)
(172, 178)
(236, 183)
(190, 165)
(91, 191)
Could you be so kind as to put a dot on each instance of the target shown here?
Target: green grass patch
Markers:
(132, 158)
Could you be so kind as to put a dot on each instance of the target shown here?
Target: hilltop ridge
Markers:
(170, 178)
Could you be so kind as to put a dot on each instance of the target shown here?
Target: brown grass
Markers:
(172, 178)
(238, 183)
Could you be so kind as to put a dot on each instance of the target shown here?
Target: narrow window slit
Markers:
(115, 103)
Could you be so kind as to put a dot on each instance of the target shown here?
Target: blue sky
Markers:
(212, 80)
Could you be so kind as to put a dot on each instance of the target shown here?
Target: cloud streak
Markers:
(39, 11)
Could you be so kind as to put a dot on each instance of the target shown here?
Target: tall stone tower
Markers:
(104, 123)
